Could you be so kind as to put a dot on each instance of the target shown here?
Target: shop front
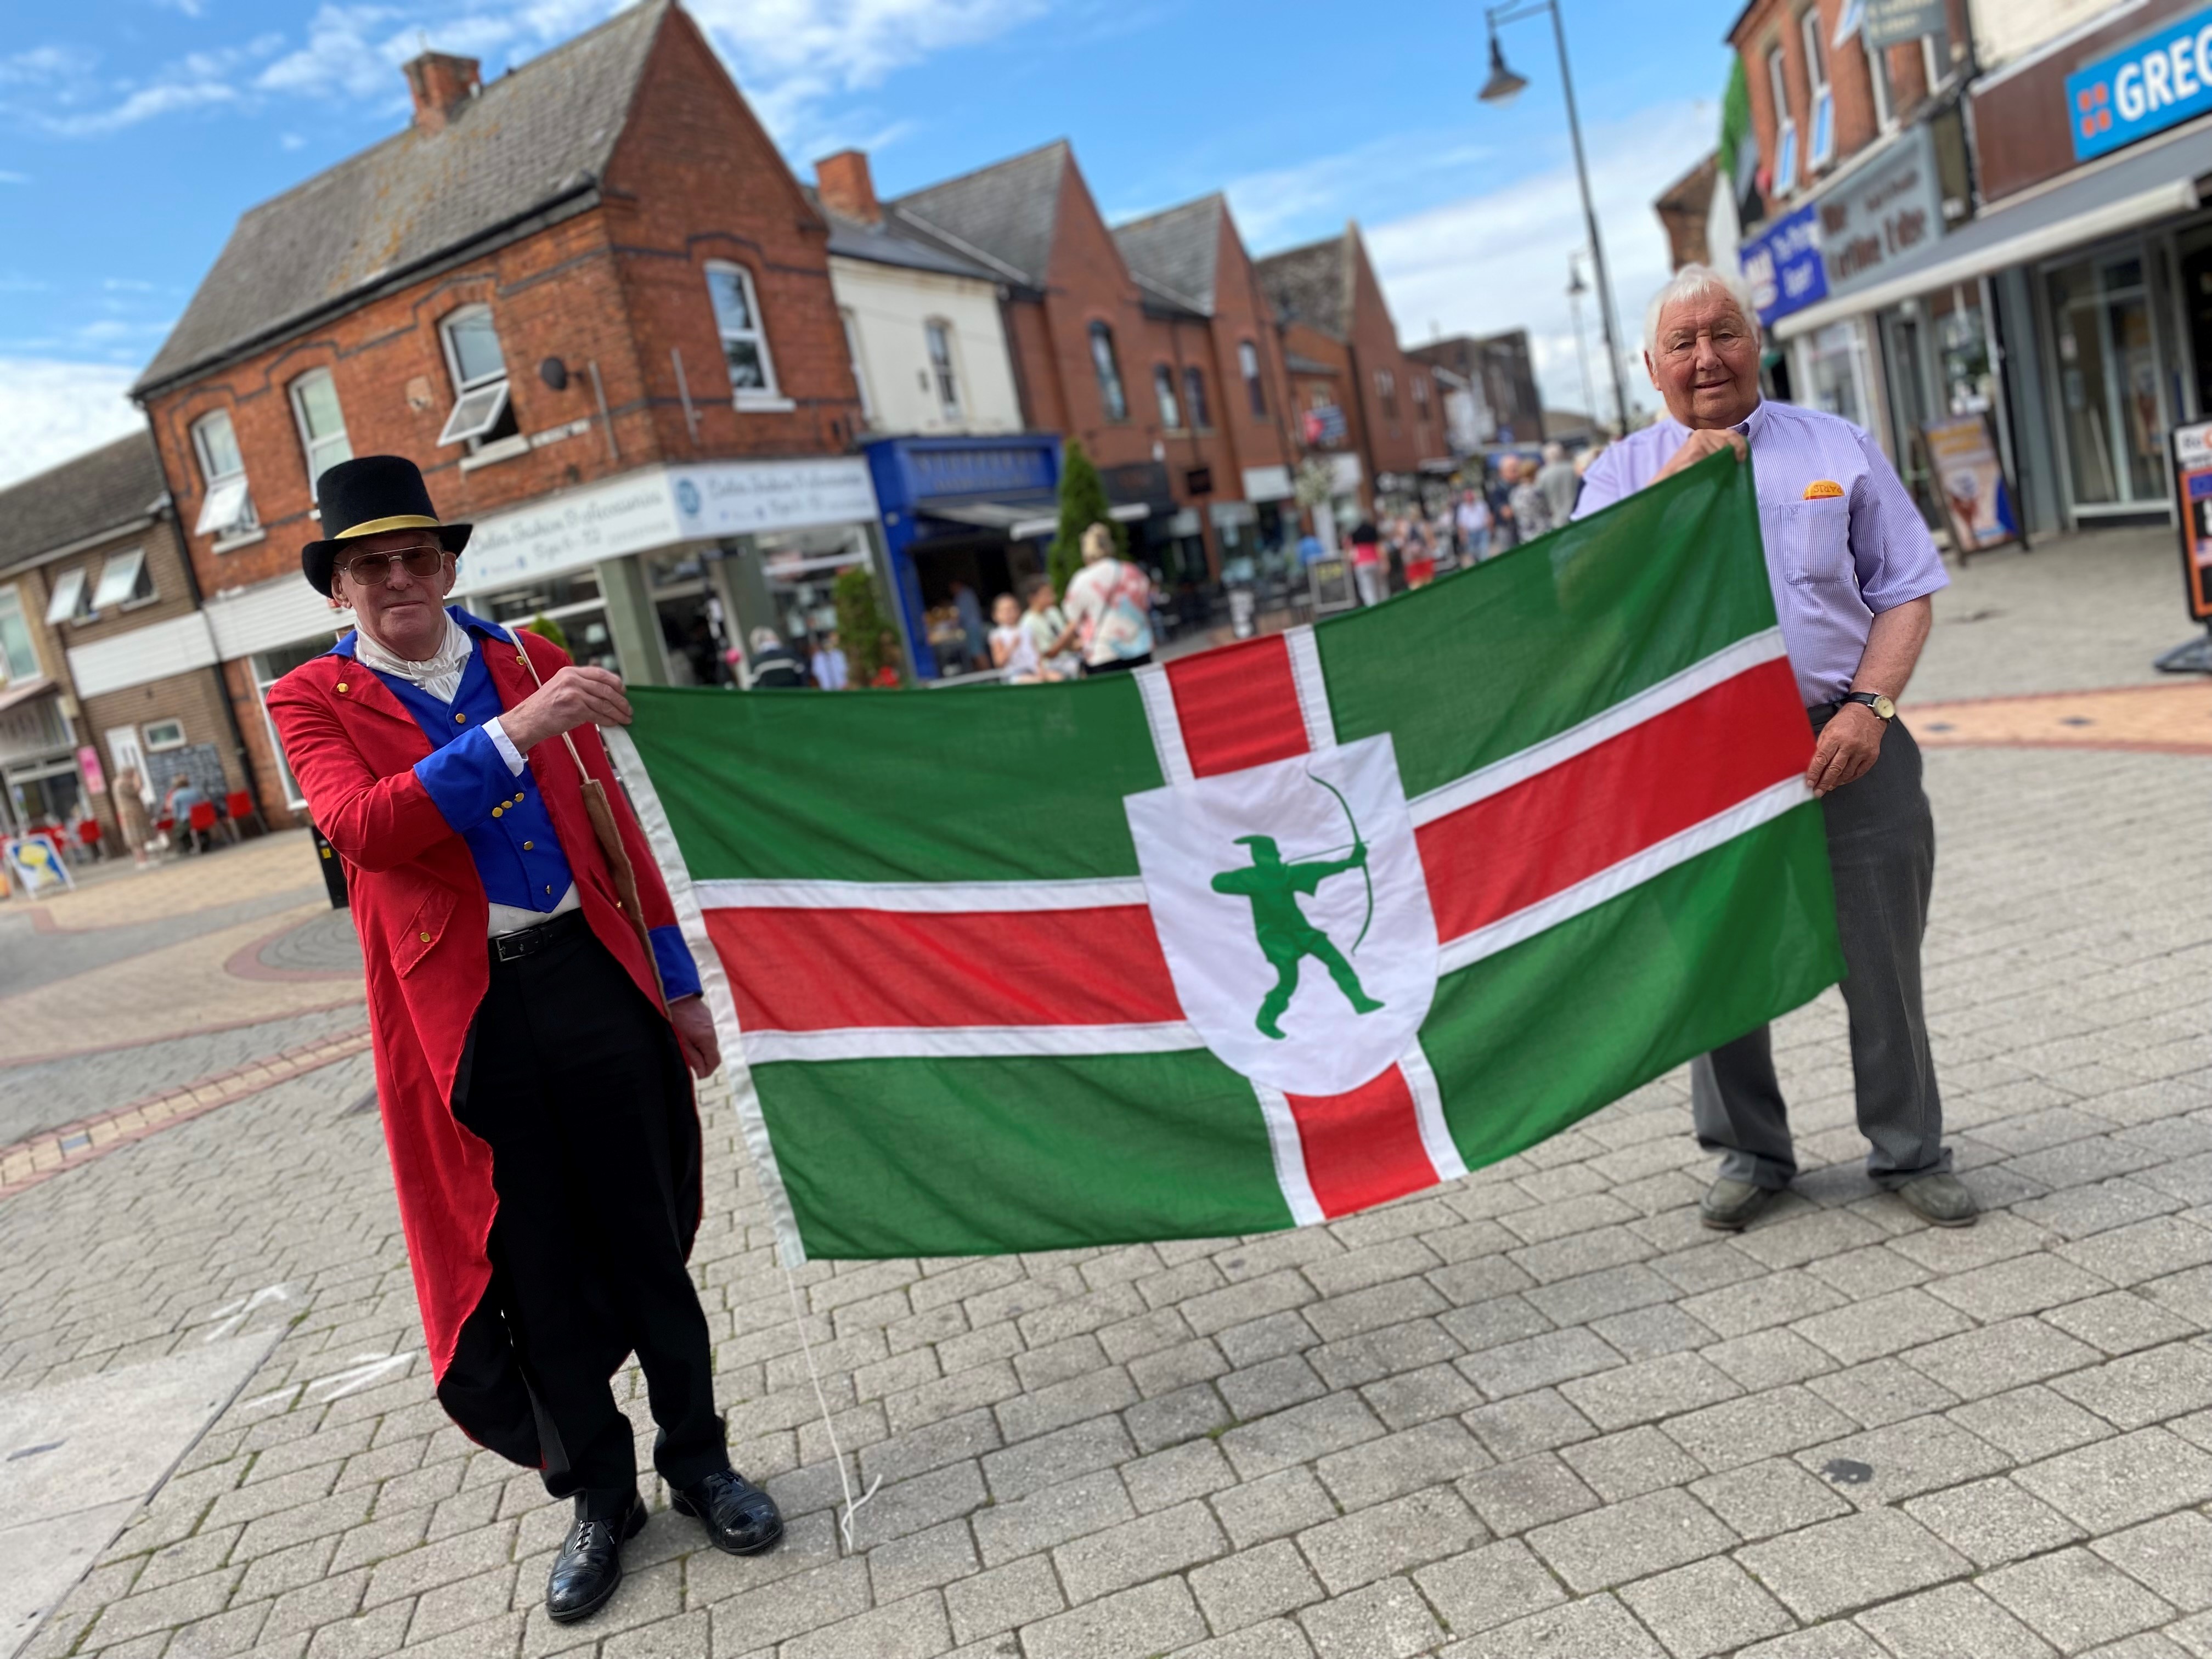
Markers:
(961, 514)
(41, 784)
(2075, 310)
(659, 574)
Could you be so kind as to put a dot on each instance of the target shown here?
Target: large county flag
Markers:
(1268, 933)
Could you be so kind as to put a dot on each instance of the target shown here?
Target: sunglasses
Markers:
(424, 559)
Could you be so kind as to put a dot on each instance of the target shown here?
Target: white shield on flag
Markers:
(1271, 921)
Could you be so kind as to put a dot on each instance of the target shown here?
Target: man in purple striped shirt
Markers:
(1851, 567)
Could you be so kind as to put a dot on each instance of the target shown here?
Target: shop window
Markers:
(124, 580)
(1785, 129)
(1820, 148)
(1248, 364)
(18, 652)
(1193, 398)
(483, 409)
(322, 424)
(859, 375)
(227, 513)
(1164, 391)
(1108, 370)
(162, 734)
(71, 599)
(938, 334)
(744, 336)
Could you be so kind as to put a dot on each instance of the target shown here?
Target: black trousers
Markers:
(575, 1081)
(1882, 852)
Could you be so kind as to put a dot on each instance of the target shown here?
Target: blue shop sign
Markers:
(1784, 266)
(2162, 80)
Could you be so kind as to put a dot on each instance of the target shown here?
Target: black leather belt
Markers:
(527, 941)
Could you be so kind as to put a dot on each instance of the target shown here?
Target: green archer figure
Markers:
(1286, 938)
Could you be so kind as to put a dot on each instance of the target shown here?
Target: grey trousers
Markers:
(1881, 850)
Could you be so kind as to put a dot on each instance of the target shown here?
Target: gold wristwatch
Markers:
(1881, 704)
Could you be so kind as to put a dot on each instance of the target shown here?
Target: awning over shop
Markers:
(23, 690)
(2137, 186)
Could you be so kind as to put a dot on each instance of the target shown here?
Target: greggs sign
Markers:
(2163, 79)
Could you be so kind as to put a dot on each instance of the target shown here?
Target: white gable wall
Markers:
(888, 306)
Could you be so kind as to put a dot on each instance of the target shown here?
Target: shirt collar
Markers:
(1751, 426)
(452, 653)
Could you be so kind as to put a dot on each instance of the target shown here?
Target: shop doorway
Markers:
(2111, 410)
(124, 755)
(2196, 250)
(1905, 350)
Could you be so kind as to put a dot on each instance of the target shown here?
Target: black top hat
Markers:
(367, 497)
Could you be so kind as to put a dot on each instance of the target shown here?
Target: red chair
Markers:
(87, 836)
(203, 822)
(238, 806)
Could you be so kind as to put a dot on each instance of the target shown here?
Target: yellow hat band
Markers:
(378, 527)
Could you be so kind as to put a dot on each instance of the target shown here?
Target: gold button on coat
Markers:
(527, 845)
(341, 685)
(425, 937)
(461, 718)
(496, 811)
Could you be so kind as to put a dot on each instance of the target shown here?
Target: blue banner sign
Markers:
(2162, 79)
(1784, 266)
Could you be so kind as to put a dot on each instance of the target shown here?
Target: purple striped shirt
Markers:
(1833, 561)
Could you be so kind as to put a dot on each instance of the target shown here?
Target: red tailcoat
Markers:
(420, 909)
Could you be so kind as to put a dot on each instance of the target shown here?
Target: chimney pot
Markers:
(846, 187)
(442, 83)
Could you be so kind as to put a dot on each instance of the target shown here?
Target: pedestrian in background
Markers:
(130, 820)
(1011, 652)
(1367, 568)
(774, 667)
(1051, 634)
(1532, 513)
(827, 664)
(1558, 482)
(1110, 602)
(975, 637)
(1499, 491)
(1471, 518)
(1419, 553)
(1852, 568)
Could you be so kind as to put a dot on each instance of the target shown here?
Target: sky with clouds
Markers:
(134, 132)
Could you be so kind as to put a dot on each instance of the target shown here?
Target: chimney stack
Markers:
(442, 83)
(846, 187)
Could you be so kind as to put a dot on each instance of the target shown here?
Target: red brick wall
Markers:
(1392, 444)
(1086, 282)
(1242, 313)
(694, 178)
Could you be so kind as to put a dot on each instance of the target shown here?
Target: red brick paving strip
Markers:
(50, 1152)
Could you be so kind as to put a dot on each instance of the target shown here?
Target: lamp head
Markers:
(1504, 85)
(1576, 286)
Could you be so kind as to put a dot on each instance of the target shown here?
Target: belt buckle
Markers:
(513, 947)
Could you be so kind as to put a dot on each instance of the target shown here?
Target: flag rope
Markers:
(836, 1452)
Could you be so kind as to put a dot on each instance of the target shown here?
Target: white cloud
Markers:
(54, 411)
(7, 178)
(1486, 264)
(1317, 196)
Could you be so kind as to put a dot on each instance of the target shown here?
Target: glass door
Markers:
(1904, 338)
(2113, 411)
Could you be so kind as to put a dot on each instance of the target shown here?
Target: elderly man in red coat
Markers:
(532, 1040)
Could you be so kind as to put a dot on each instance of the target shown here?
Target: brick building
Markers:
(592, 301)
(104, 658)
(1497, 374)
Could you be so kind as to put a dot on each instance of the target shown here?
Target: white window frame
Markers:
(1820, 143)
(309, 444)
(483, 397)
(146, 736)
(1106, 369)
(1785, 125)
(1255, 389)
(1197, 409)
(70, 601)
(1164, 394)
(226, 514)
(769, 397)
(937, 341)
(128, 572)
(11, 601)
(860, 370)
(262, 681)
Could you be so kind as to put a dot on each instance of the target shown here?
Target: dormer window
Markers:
(484, 411)
(227, 511)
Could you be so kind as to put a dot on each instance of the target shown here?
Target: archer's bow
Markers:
(1359, 841)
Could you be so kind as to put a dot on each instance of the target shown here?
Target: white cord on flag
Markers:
(852, 1503)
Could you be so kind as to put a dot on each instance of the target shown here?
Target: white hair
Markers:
(766, 639)
(1694, 281)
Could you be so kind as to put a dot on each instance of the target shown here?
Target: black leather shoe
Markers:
(589, 1569)
(738, 1517)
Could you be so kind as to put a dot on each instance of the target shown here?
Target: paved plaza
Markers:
(1539, 1412)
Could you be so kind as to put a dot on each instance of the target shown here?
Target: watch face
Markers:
(1883, 707)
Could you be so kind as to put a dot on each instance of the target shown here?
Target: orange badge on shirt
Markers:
(1821, 488)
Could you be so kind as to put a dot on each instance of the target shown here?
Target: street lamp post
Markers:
(1575, 288)
(1501, 87)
